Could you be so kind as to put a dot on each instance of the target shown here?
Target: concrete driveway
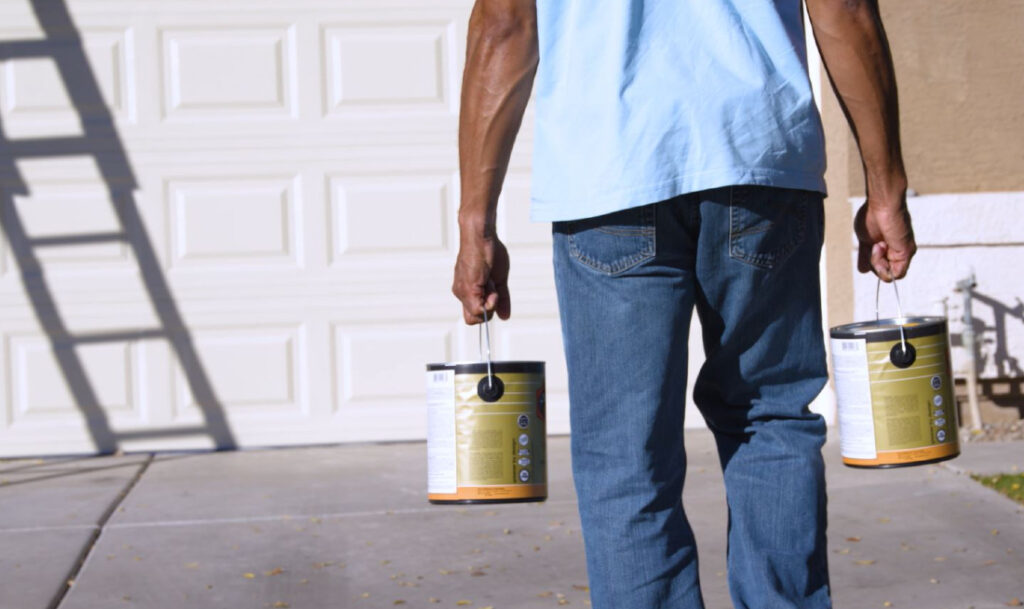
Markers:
(349, 527)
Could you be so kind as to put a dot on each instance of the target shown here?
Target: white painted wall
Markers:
(958, 234)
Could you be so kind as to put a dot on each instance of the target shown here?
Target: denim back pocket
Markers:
(612, 243)
(766, 224)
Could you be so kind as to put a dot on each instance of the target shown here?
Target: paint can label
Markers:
(853, 391)
(441, 431)
(485, 451)
(891, 415)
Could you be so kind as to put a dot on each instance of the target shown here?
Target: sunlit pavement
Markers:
(349, 527)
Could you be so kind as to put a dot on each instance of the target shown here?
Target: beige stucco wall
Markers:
(959, 65)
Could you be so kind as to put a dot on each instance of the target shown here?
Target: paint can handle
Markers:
(899, 311)
(485, 330)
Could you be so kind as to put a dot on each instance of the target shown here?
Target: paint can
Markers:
(894, 387)
(486, 438)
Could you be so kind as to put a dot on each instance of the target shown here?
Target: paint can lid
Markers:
(889, 329)
(528, 367)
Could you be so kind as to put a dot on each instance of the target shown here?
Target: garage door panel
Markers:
(34, 94)
(394, 215)
(229, 73)
(384, 68)
(40, 390)
(237, 220)
(254, 371)
(70, 211)
(381, 364)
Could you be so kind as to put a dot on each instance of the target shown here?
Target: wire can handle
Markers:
(485, 330)
(899, 310)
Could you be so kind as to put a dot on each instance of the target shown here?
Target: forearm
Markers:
(501, 61)
(856, 54)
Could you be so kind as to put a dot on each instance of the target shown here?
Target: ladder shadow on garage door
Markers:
(100, 141)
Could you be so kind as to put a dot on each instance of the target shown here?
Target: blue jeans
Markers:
(747, 258)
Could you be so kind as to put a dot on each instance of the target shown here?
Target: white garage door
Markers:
(233, 222)
(262, 253)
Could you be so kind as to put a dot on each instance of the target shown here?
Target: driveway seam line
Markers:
(87, 549)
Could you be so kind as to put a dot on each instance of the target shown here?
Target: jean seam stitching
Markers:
(644, 253)
(765, 260)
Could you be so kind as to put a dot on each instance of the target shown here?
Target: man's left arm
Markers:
(501, 60)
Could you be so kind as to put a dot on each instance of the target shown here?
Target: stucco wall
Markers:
(959, 66)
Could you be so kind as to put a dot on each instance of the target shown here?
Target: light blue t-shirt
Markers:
(638, 101)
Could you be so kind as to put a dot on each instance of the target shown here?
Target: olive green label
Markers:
(912, 407)
(501, 442)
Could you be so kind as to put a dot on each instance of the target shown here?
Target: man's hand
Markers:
(886, 239)
(481, 278)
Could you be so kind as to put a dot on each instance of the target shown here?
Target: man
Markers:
(680, 156)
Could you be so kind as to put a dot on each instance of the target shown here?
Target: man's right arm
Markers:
(856, 54)
(501, 60)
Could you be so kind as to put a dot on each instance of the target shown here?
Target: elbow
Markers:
(504, 19)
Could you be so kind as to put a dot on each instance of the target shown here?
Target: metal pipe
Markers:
(965, 287)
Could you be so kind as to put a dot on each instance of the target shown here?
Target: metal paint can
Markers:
(486, 438)
(894, 387)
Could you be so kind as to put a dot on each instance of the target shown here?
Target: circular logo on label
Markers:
(523, 421)
(524, 439)
(524, 461)
(940, 422)
(937, 400)
(941, 435)
(936, 382)
(524, 475)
